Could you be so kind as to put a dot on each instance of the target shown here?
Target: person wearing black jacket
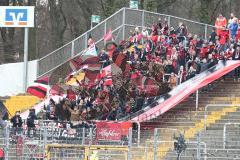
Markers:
(31, 122)
(17, 122)
(236, 56)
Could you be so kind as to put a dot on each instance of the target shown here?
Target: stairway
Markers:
(186, 120)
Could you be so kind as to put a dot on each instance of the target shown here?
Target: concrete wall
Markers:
(11, 77)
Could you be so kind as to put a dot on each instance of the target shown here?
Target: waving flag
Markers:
(145, 84)
(43, 80)
(91, 50)
(108, 36)
(37, 91)
(3, 110)
(120, 60)
(79, 62)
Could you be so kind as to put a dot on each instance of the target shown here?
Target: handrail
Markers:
(56, 64)
(215, 105)
(83, 33)
(78, 54)
(171, 17)
(224, 132)
(119, 12)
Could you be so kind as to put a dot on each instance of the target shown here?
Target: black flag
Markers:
(3, 110)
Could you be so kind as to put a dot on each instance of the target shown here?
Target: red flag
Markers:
(108, 36)
(37, 91)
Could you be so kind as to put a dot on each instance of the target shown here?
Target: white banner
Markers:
(17, 16)
(91, 51)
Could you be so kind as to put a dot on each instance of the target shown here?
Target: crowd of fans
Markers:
(166, 54)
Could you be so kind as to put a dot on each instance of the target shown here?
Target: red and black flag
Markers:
(145, 85)
(43, 80)
(3, 110)
(78, 62)
(56, 90)
(37, 91)
(120, 60)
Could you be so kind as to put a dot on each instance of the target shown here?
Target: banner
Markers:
(112, 131)
(91, 51)
(182, 91)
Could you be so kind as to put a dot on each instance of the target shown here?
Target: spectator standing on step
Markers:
(233, 28)
(232, 17)
(17, 122)
(212, 37)
(31, 122)
(220, 23)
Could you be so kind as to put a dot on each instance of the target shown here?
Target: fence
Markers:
(231, 132)
(46, 144)
(121, 23)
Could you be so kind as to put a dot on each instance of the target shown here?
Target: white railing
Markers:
(224, 132)
(215, 105)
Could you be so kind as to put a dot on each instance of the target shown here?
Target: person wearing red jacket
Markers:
(220, 24)
(204, 51)
(223, 37)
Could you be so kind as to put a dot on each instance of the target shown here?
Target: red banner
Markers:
(184, 90)
(112, 131)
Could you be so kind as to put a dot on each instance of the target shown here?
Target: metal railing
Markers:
(214, 106)
(121, 23)
(229, 135)
(161, 145)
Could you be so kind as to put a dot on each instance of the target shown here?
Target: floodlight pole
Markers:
(25, 65)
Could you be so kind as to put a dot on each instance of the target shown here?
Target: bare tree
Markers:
(58, 22)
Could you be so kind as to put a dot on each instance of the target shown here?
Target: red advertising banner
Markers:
(112, 131)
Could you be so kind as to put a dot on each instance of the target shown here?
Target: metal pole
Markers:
(224, 136)
(83, 136)
(124, 14)
(25, 69)
(129, 143)
(105, 31)
(196, 100)
(146, 151)
(143, 23)
(155, 144)
(91, 136)
(205, 118)
(86, 40)
(198, 146)
(72, 49)
(44, 138)
(139, 133)
(143, 15)
(7, 142)
(205, 36)
(169, 21)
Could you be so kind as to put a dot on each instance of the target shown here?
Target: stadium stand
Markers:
(202, 130)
